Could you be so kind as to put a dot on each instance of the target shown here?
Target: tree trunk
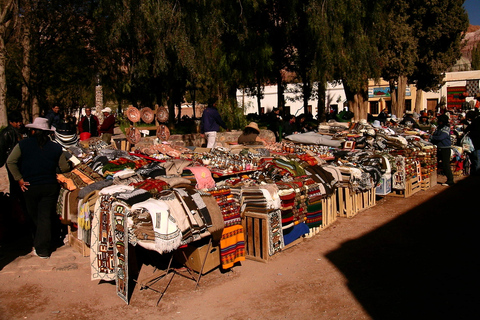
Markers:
(259, 98)
(7, 17)
(307, 93)
(402, 85)
(357, 101)
(280, 92)
(321, 102)
(35, 107)
(3, 81)
(26, 71)
(393, 96)
(419, 101)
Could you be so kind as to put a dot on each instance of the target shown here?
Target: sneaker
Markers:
(40, 255)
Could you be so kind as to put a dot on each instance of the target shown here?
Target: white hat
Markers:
(107, 109)
(376, 124)
(40, 124)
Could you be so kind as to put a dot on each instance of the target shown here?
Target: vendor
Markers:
(441, 138)
(250, 135)
(423, 123)
(409, 121)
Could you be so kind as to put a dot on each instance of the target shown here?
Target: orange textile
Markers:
(232, 246)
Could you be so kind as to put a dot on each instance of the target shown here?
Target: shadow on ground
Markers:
(423, 264)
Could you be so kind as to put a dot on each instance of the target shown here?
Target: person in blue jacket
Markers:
(441, 138)
(211, 123)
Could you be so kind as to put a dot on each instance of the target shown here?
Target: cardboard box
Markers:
(385, 186)
(193, 256)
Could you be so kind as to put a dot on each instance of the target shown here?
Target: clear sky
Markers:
(473, 9)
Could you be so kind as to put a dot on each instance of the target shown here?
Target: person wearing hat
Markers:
(33, 164)
(409, 120)
(106, 128)
(423, 123)
(250, 135)
(441, 138)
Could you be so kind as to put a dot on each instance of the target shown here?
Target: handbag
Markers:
(467, 144)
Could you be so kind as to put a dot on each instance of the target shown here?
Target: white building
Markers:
(455, 92)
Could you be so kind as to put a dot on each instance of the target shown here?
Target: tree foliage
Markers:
(159, 52)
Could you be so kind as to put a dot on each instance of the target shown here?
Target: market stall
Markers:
(213, 208)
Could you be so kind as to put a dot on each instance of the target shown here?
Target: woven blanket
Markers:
(81, 176)
(167, 234)
(232, 246)
(216, 229)
(102, 246)
(177, 210)
(275, 235)
(120, 211)
(296, 232)
(151, 185)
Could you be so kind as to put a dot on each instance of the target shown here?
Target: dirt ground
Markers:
(402, 259)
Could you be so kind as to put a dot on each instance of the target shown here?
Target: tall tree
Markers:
(439, 27)
(476, 58)
(354, 41)
(398, 51)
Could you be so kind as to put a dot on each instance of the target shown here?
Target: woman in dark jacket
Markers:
(441, 138)
(33, 163)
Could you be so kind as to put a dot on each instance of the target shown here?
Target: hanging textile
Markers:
(232, 246)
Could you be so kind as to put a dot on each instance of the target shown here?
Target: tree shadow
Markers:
(423, 264)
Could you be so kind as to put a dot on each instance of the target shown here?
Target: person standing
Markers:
(382, 116)
(473, 131)
(9, 138)
(441, 138)
(89, 123)
(54, 117)
(275, 123)
(106, 128)
(33, 163)
(211, 123)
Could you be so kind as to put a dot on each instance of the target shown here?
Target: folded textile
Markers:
(297, 231)
(98, 185)
(203, 176)
(167, 234)
(135, 196)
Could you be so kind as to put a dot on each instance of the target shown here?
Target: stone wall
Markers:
(195, 139)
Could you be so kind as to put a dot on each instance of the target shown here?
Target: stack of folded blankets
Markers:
(232, 243)
(264, 199)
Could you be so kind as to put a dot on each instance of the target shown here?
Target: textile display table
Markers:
(205, 209)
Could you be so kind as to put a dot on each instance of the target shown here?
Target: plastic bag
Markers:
(467, 144)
